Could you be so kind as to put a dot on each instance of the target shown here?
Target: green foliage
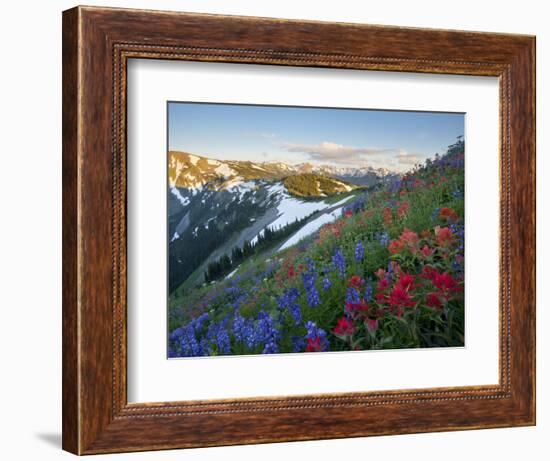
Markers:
(315, 185)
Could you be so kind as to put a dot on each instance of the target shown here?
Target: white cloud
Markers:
(337, 153)
(404, 158)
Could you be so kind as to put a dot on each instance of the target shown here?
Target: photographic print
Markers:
(306, 229)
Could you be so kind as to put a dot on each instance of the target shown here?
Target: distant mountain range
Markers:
(190, 171)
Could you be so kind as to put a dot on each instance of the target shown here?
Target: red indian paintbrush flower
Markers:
(426, 251)
(357, 309)
(356, 282)
(433, 300)
(396, 246)
(448, 213)
(400, 298)
(344, 327)
(409, 237)
(387, 216)
(403, 209)
(371, 324)
(314, 345)
(444, 235)
(405, 282)
(383, 284)
(446, 284)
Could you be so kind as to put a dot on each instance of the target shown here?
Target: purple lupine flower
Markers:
(316, 338)
(456, 266)
(383, 239)
(352, 296)
(326, 284)
(339, 262)
(298, 344)
(287, 302)
(390, 267)
(267, 333)
(368, 293)
(359, 251)
(219, 337)
(188, 344)
(309, 278)
(239, 327)
(458, 231)
(358, 205)
(395, 185)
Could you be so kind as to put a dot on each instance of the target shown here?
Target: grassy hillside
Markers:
(315, 185)
(388, 274)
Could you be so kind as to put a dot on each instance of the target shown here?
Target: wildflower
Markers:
(380, 273)
(326, 284)
(406, 282)
(357, 309)
(348, 212)
(428, 272)
(344, 328)
(458, 262)
(458, 232)
(219, 337)
(403, 209)
(316, 338)
(267, 333)
(446, 284)
(384, 239)
(312, 294)
(426, 251)
(432, 300)
(359, 251)
(387, 216)
(400, 297)
(383, 284)
(352, 295)
(448, 213)
(396, 246)
(270, 347)
(298, 344)
(368, 293)
(444, 235)
(409, 237)
(371, 324)
(339, 262)
(395, 186)
(380, 298)
(356, 281)
(291, 272)
(287, 302)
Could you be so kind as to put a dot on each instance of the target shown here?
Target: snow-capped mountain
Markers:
(193, 171)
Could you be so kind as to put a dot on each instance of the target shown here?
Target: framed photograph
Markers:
(282, 230)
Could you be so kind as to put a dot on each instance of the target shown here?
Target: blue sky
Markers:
(339, 137)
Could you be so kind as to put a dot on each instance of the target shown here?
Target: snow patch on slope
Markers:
(183, 200)
(224, 170)
(312, 227)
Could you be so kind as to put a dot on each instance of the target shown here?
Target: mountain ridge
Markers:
(191, 171)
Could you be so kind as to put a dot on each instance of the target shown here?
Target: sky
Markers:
(339, 137)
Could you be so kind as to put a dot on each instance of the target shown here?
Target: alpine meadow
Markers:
(297, 229)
